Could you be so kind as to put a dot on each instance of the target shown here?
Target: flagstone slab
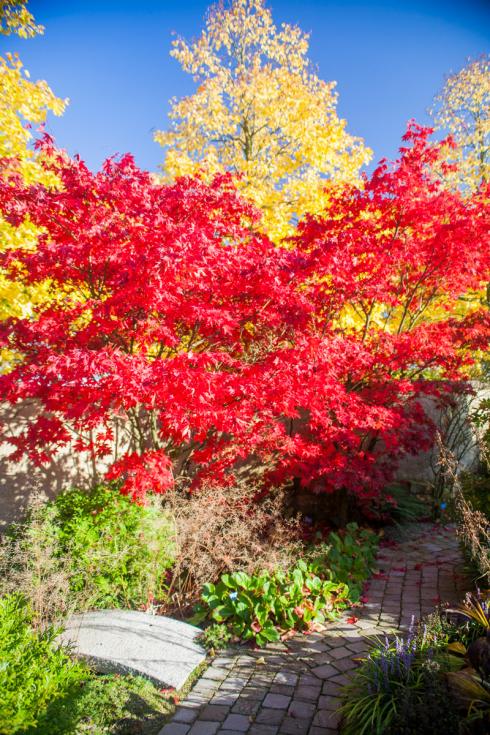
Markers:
(131, 642)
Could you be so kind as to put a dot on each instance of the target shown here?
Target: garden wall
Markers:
(425, 469)
(19, 481)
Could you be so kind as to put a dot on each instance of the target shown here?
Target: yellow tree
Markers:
(15, 18)
(260, 111)
(22, 103)
(463, 109)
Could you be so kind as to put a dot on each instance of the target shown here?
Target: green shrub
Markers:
(44, 692)
(124, 549)
(34, 674)
(90, 550)
(347, 556)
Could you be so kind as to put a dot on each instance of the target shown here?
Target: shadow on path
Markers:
(293, 688)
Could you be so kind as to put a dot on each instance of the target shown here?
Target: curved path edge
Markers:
(294, 688)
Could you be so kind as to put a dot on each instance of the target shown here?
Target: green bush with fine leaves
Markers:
(35, 674)
(89, 549)
(123, 549)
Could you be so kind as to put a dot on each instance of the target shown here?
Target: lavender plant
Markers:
(388, 690)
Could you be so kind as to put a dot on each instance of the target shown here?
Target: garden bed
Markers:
(98, 549)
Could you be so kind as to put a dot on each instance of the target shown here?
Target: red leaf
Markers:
(352, 620)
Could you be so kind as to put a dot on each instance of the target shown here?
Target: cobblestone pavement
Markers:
(294, 687)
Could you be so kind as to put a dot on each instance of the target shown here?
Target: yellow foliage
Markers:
(22, 103)
(463, 109)
(261, 112)
(15, 18)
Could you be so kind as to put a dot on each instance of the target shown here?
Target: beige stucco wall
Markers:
(457, 435)
(20, 480)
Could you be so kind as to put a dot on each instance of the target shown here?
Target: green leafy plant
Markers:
(346, 556)
(265, 605)
(215, 637)
(35, 674)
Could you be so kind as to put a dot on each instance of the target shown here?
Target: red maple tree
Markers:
(173, 316)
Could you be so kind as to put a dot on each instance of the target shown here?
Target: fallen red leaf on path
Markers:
(352, 620)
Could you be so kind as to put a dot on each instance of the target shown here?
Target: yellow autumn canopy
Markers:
(22, 103)
(261, 112)
(15, 18)
(462, 108)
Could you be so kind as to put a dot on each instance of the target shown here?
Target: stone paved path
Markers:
(294, 688)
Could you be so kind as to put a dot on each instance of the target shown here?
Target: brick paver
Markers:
(294, 687)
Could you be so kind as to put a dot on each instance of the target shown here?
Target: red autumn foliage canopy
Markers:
(172, 317)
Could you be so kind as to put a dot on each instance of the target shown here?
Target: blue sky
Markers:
(112, 60)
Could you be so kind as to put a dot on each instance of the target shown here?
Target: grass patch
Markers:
(127, 705)
(117, 705)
